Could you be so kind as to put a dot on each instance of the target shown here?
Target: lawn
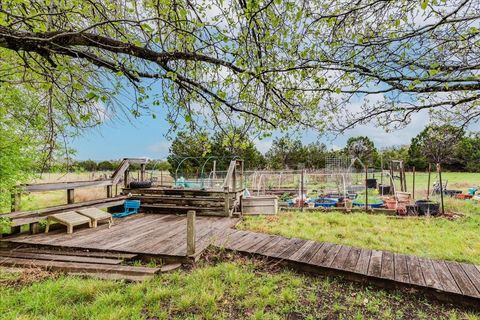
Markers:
(440, 238)
(238, 288)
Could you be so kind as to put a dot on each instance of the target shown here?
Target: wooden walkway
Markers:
(449, 281)
(155, 235)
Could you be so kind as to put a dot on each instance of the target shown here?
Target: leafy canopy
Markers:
(272, 64)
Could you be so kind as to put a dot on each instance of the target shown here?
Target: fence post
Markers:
(302, 189)
(413, 182)
(190, 232)
(109, 191)
(366, 188)
(70, 196)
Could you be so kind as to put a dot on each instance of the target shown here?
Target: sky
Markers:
(145, 137)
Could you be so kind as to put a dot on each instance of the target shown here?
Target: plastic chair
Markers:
(130, 207)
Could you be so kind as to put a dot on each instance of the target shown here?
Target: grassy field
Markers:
(457, 239)
(38, 200)
(236, 288)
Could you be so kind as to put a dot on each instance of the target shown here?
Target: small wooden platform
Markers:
(446, 280)
(147, 235)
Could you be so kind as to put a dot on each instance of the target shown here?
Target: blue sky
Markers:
(145, 137)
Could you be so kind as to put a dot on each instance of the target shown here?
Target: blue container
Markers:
(325, 202)
(371, 205)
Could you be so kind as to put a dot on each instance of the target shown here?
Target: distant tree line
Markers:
(190, 153)
(111, 165)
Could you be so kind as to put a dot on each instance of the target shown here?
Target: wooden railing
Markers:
(233, 184)
(70, 186)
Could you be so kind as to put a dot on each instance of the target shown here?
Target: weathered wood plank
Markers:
(375, 266)
(445, 276)
(401, 268)
(301, 251)
(363, 261)
(53, 257)
(294, 247)
(115, 255)
(341, 257)
(311, 252)
(461, 279)
(78, 267)
(429, 274)
(415, 271)
(352, 259)
(388, 267)
(325, 255)
(281, 246)
(473, 274)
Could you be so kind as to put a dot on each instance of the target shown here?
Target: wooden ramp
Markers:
(446, 280)
(146, 235)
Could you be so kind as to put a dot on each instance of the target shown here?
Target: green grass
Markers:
(440, 238)
(236, 289)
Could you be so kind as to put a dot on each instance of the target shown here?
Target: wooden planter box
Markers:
(260, 205)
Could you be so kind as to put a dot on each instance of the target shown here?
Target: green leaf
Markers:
(424, 4)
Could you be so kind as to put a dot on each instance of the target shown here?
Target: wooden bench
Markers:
(69, 219)
(96, 215)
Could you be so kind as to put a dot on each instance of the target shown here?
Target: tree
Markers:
(233, 143)
(254, 61)
(87, 165)
(105, 166)
(285, 153)
(439, 143)
(362, 148)
(188, 152)
(21, 140)
(393, 153)
(469, 152)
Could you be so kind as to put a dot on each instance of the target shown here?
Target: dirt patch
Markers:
(17, 278)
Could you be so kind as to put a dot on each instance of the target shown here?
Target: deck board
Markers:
(143, 234)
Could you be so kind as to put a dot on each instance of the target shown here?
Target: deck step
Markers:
(79, 267)
(166, 198)
(80, 253)
(169, 208)
(181, 202)
(55, 257)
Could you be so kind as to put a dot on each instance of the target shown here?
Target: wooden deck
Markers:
(454, 282)
(164, 236)
(149, 235)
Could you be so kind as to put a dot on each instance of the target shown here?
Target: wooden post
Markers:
(413, 182)
(302, 189)
(226, 192)
(15, 201)
(126, 174)
(366, 188)
(439, 170)
(109, 191)
(34, 228)
(142, 172)
(190, 232)
(70, 196)
(428, 186)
